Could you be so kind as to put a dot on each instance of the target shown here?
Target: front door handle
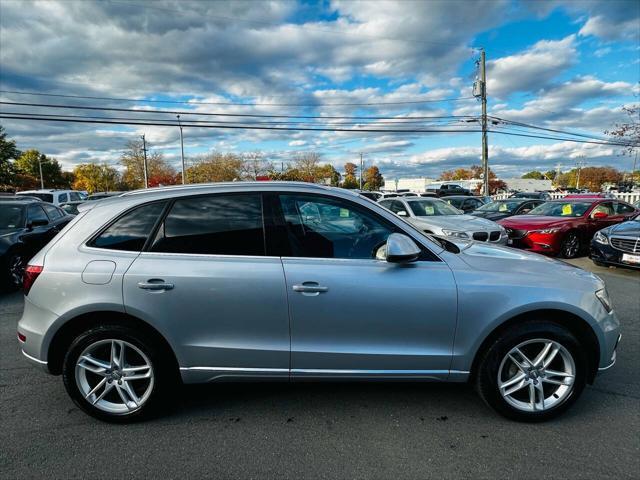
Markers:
(155, 284)
(310, 287)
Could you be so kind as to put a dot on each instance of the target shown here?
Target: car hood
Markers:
(528, 222)
(489, 257)
(456, 222)
(630, 228)
(493, 216)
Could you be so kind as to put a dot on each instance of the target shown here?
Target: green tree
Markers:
(8, 151)
(29, 164)
(534, 174)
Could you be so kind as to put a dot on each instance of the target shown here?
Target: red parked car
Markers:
(564, 227)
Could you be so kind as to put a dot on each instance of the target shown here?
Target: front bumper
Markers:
(547, 243)
(609, 255)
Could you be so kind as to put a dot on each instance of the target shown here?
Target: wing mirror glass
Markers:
(36, 223)
(400, 248)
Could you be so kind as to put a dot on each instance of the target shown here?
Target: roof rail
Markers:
(197, 186)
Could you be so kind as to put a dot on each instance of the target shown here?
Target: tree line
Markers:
(21, 170)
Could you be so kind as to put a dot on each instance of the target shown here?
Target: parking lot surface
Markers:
(351, 430)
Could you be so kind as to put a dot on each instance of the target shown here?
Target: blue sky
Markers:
(564, 65)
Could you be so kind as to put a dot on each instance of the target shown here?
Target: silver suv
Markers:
(286, 281)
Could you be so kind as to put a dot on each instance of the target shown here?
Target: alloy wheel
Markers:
(16, 269)
(570, 245)
(536, 375)
(114, 376)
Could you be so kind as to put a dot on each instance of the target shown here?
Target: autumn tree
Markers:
(328, 175)
(307, 165)
(254, 165)
(590, 177)
(132, 160)
(350, 180)
(628, 132)
(93, 177)
(373, 179)
(215, 167)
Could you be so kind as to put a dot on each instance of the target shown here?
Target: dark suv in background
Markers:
(449, 189)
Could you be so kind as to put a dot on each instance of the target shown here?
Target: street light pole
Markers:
(361, 167)
(41, 177)
(144, 165)
(181, 150)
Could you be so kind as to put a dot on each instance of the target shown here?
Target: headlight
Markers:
(603, 296)
(548, 230)
(601, 238)
(455, 233)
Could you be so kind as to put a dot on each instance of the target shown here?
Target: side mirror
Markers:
(600, 215)
(402, 213)
(36, 223)
(401, 249)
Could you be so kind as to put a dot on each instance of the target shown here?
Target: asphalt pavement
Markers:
(336, 430)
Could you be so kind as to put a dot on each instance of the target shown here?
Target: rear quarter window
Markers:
(131, 230)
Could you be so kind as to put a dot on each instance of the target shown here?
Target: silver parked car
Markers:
(438, 217)
(287, 281)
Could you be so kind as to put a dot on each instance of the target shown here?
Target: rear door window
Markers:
(63, 198)
(36, 214)
(131, 230)
(53, 212)
(215, 225)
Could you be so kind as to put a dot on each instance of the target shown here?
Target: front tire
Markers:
(16, 264)
(532, 372)
(115, 374)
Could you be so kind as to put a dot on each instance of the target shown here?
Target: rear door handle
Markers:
(155, 284)
(310, 287)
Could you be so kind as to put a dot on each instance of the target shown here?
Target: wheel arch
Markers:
(574, 323)
(73, 327)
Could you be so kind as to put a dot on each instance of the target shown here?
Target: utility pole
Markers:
(41, 177)
(181, 150)
(361, 167)
(144, 168)
(579, 164)
(485, 147)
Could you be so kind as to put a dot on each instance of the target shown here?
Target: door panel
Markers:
(374, 319)
(226, 314)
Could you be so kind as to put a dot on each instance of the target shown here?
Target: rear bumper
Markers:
(34, 325)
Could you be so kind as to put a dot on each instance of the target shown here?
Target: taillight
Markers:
(30, 275)
(22, 337)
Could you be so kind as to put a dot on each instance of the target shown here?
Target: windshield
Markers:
(561, 209)
(506, 207)
(431, 208)
(11, 216)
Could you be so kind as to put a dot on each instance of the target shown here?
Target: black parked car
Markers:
(448, 189)
(617, 245)
(505, 208)
(538, 195)
(464, 203)
(25, 227)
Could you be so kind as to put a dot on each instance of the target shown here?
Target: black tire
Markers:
(487, 370)
(571, 246)
(165, 376)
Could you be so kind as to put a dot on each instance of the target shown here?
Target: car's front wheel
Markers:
(570, 246)
(114, 374)
(532, 372)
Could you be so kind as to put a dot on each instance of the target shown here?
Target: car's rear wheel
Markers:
(115, 374)
(16, 264)
(570, 246)
(532, 372)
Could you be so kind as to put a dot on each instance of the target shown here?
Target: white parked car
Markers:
(57, 197)
(432, 215)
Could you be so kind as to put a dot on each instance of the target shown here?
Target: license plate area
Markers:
(633, 259)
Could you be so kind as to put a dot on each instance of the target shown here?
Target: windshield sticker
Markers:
(566, 209)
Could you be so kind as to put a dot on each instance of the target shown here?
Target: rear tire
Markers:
(570, 246)
(115, 374)
(518, 388)
(15, 266)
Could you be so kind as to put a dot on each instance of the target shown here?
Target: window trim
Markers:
(278, 216)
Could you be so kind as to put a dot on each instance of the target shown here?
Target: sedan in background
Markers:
(617, 245)
(565, 227)
(538, 195)
(25, 227)
(464, 203)
(506, 208)
(437, 217)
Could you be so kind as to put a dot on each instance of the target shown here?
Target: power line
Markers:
(227, 126)
(575, 140)
(564, 132)
(218, 114)
(187, 102)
